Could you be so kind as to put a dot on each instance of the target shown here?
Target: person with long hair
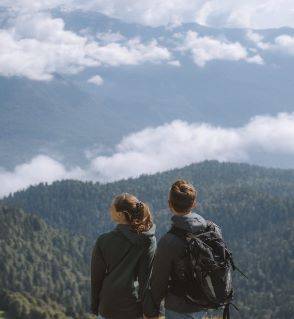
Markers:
(122, 261)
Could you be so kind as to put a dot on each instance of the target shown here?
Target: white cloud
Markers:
(97, 80)
(133, 52)
(110, 36)
(257, 39)
(257, 14)
(37, 46)
(175, 63)
(205, 49)
(149, 12)
(270, 134)
(256, 59)
(254, 36)
(40, 169)
(285, 44)
(165, 147)
(169, 146)
(32, 5)
(178, 144)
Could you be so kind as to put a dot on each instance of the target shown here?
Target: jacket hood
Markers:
(192, 223)
(135, 238)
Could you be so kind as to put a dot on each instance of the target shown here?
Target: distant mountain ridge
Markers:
(214, 180)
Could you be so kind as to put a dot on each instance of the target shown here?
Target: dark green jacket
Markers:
(120, 271)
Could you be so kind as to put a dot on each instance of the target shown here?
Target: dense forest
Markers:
(253, 205)
(43, 271)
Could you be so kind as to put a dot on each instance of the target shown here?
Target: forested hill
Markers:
(231, 194)
(253, 205)
(43, 272)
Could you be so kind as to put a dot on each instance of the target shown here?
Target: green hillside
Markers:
(231, 194)
(43, 271)
(253, 205)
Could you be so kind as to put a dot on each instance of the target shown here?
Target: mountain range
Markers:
(68, 116)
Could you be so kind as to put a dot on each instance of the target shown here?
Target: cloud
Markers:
(257, 39)
(97, 80)
(205, 49)
(285, 44)
(109, 36)
(133, 52)
(37, 46)
(175, 63)
(39, 169)
(178, 144)
(165, 147)
(257, 14)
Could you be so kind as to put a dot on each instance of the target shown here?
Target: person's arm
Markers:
(145, 267)
(159, 279)
(98, 270)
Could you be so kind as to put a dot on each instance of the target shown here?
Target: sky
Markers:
(35, 45)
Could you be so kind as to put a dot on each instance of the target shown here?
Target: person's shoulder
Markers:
(106, 236)
(212, 225)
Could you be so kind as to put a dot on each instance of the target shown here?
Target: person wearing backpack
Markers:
(122, 261)
(175, 272)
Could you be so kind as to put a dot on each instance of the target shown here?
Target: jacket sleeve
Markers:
(159, 279)
(145, 267)
(98, 270)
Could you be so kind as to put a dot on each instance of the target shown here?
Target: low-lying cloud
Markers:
(282, 43)
(205, 49)
(37, 46)
(96, 79)
(168, 146)
(40, 169)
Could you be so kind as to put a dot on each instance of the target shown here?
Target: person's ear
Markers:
(194, 204)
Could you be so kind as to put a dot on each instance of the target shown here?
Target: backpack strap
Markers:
(226, 313)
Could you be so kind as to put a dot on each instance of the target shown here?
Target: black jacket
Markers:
(120, 271)
(170, 249)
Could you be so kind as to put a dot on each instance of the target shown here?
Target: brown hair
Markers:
(136, 212)
(182, 196)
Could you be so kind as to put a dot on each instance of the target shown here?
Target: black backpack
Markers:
(204, 274)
